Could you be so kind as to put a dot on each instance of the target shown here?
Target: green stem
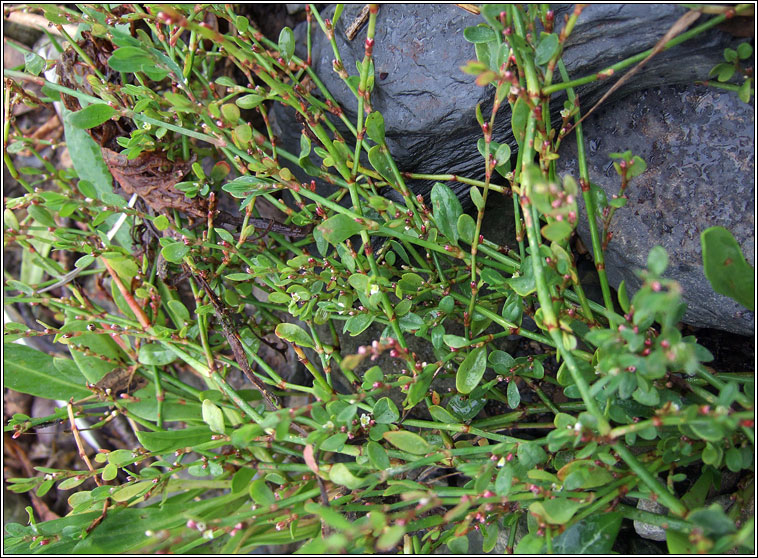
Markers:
(664, 496)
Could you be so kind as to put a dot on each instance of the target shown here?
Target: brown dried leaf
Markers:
(152, 177)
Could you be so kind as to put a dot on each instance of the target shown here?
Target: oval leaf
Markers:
(91, 116)
(471, 370)
(294, 334)
(407, 441)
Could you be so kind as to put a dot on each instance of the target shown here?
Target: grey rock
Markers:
(699, 147)
(646, 530)
(429, 104)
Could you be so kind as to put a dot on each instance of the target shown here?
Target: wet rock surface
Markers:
(699, 145)
(429, 104)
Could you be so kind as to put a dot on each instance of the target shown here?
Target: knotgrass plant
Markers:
(331, 463)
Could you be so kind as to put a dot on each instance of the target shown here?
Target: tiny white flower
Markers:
(374, 289)
(365, 420)
(146, 125)
(329, 425)
(149, 533)
(578, 426)
(295, 297)
(208, 534)
(501, 462)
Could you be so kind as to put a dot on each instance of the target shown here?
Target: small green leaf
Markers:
(92, 115)
(33, 372)
(546, 49)
(286, 43)
(407, 441)
(657, 260)
(294, 334)
(249, 101)
(261, 493)
(339, 228)
(725, 266)
(335, 442)
(476, 198)
(446, 208)
(340, 474)
(242, 478)
(385, 411)
(377, 455)
(479, 34)
(556, 512)
(557, 231)
(156, 354)
(440, 414)
(745, 51)
(375, 127)
(41, 215)
(379, 159)
(109, 472)
(213, 416)
(513, 395)
(471, 370)
(504, 480)
(519, 118)
(466, 228)
(175, 252)
(129, 491)
(34, 63)
(595, 534)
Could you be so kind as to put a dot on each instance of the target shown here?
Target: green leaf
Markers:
(725, 266)
(156, 354)
(530, 454)
(375, 127)
(33, 63)
(519, 118)
(446, 208)
(407, 441)
(513, 395)
(504, 480)
(657, 260)
(379, 159)
(175, 252)
(385, 411)
(476, 198)
(294, 334)
(377, 455)
(261, 493)
(335, 442)
(213, 416)
(340, 474)
(466, 228)
(249, 101)
(557, 512)
(242, 478)
(339, 228)
(110, 472)
(712, 520)
(330, 516)
(166, 441)
(129, 491)
(286, 43)
(41, 215)
(595, 534)
(440, 414)
(501, 362)
(546, 49)
(479, 34)
(557, 231)
(471, 370)
(33, 372)
(92, 115)
(390, 537)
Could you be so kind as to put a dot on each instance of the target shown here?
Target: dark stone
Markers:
(429, 104)
(699, 146)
